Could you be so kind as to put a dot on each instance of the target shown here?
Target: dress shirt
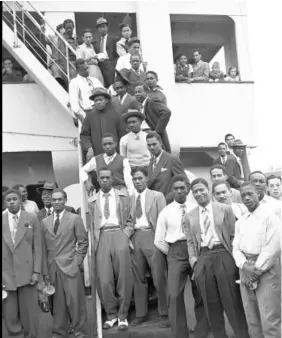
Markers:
(120, 49)
(204, 239)
(133, 146)
(272, 204)
(169, 228)
(142, 222)
(11, 219)
(47, 209)
(104, 47)
(223, 159)
(158, 157)
(79, 92)
(91, 165)
(30, 206)
(85, 52)
(258, 233)
(124, 62)
(123, 98)
(113, 217)
(238, 209)
(60, 216)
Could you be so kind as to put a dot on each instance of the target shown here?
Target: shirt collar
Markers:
(112, 156)
(47, 209)
(12, 215)
(160, 154)
(111, 193)
(61, 213)
(87, 46)
(104, 37)
(207, 207)
(143, 193)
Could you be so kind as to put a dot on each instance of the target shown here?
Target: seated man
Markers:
(200, 69)
(134, 145)
(121, 177)
(274, 187)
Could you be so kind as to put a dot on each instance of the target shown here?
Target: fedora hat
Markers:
(98, 92)
(133, 112)
(122, 77)
(46, 186)
(238, 143)
(101, 21)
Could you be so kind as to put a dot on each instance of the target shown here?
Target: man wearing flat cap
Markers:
(106, 50)
(101, 120)
(133, 145)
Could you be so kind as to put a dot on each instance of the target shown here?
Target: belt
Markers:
(143, 229)
(180, 241)
(110, 228)
(205, 249)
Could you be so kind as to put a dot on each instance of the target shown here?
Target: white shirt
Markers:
(104, 54)
(124, 62)
(123, 98)
(169, 228)
(11, 220)
(91, 165)
(159, 156)
(258, 233)
(223, 159)
(113, 217)
(60, 216)
(144, 124)
(273, 205)
(47, 210)
(141, 222)
(30, 206)
(204, 239)
(80, 88)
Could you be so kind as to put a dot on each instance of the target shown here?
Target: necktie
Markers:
(90, 85)
(49, 212)
(102, 45)
(183, 221)
(223, 160)
(207, 229)
(138, 208)
(154, 163)
(109, 159)
(57, 223)
(107, 206)
(15, 226)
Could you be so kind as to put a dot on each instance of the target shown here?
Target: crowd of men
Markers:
(226, 240)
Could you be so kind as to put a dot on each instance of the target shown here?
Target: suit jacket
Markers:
(233, 170)
(154, 204)
(157, 116)
(111, 48)
(123, 213)
(43, 214)
(224, 222)
(22, 259)
(67, 247)
(129, 102)
(167, 167)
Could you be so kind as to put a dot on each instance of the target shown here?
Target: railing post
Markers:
(23, 27)
(68, 65)
(15, 26)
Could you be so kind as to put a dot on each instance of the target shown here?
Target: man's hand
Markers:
(34, 278)
(89, 186)
(90, 154)
(46, 279)
(249, 270)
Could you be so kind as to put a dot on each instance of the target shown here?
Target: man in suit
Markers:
(146, 206)
(64, 246)
(201, 69)
(163, 166)
(113, 228)
(21, 267)
(157, 114)
(210, 232)
(107, 48)
(218, 172)
(229, 140)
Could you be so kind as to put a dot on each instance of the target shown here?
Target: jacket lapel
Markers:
(63, 223)
(50, 225)
(149, 201)
(218, 220)
(119, 207)
(21, 229)
(161, 164)
(6, 232)
(196, 227)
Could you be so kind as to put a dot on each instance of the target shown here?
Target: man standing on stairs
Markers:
(146, 206)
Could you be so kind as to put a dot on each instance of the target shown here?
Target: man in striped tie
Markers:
(210, 232)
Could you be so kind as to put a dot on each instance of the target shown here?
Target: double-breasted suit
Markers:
(63, 253)
(112, 255)
(215, 271)
(19, 261)
(145, 252)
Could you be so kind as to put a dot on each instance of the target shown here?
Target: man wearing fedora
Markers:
(106, 50)
(101, 120)
(239, 152)
(133, 145)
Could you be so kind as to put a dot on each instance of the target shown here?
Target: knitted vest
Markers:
(116, 167)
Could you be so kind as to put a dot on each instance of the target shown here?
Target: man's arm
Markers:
(231, 220)
(85, 134)
(190, 243)
(87, 168)
(161, 202)
(123, 146)
(44, 250)
(82, 239)
(239, 257)
(36, 245)
(177, 167)
(163, 115)
(160, 234)
(121, 131)
(74, 98)
(127, 176)
(230, 171)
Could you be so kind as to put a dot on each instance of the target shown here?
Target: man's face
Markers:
(135, 62)
(222, 150)
(140, 93)
(201, 194)
(154, 146)
(120, 88)
(139, 181)
(249, 197)
(105, 180)
(151, 81)
(126, 32)
(87, 38)
(259, 182)
(180, 191)
(69, 28)
(183, 60)
(58, 201)
(274, 188)
(13, 203)
(222, 194)
(197, 57)
(135, 48)
(230, 140)
(103, 29)
(100, 102)
(46, 197)
(218, 175)
(8, 64)
(23, 192)
(83, 70)
(239, 151)
(109, 145)
(134, 124)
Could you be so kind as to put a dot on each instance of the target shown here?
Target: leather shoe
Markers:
(164, 323)
(138, 321)
(45, 307)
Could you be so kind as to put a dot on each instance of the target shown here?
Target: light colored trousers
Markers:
(263, 305)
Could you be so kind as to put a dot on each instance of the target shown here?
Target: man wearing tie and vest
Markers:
(112, 230)
(210, 231)
(146, 207)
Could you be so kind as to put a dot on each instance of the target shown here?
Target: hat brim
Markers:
(126, 116)
(102, 23)
(107, 96)
(39, 190)
(239, 145)
(122, 77)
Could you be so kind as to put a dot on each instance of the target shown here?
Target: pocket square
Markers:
(163, 169)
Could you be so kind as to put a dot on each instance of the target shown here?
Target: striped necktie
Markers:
(208, 235)
(183, 221)
(106, 206)
(14, 228)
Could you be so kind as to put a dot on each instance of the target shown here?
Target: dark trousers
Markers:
(21, 312)
(215, 276)
(178, 271)
(114, 273)
(141, 257)
(108, 71)
(68, 303)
